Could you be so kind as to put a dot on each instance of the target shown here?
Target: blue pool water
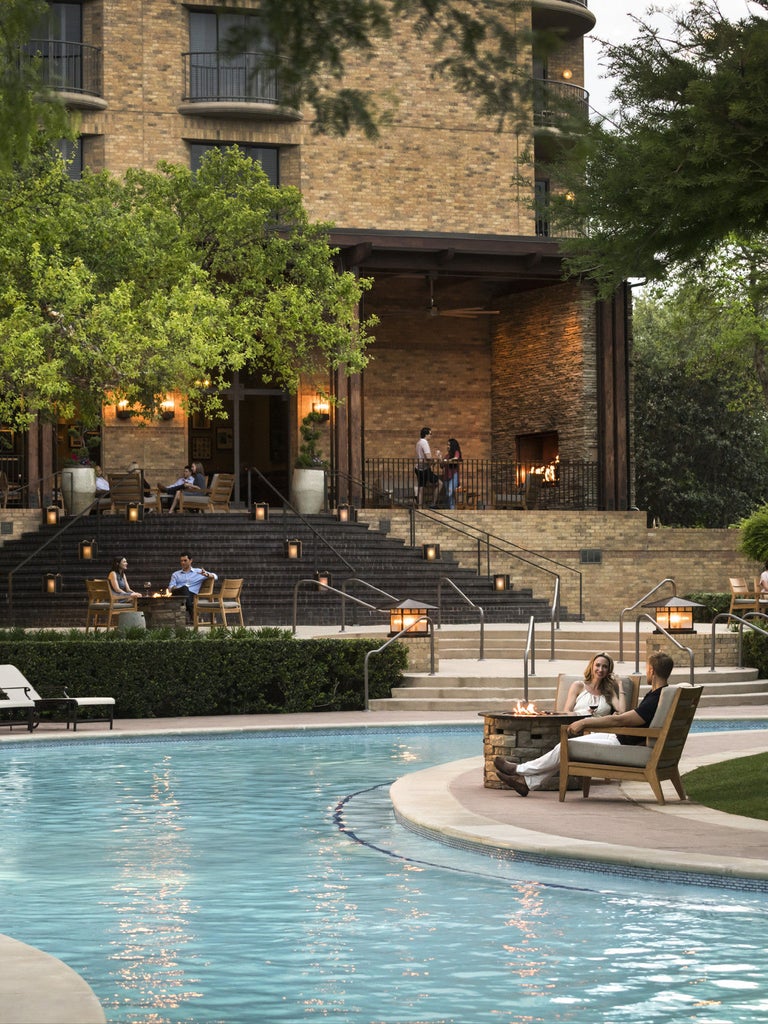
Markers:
(249, 878)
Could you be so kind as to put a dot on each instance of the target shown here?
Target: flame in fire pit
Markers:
(525, 709)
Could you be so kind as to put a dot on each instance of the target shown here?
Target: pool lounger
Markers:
(22, 695)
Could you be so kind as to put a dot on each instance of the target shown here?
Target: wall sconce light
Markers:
(567, 74)
(675, 615)
(293, 549)
(325, 578)
(430, 552)
(260, 511)
(123, 411)
(322, 406)
(501, 581)
(52, 583)
(346, 514)
(87, 550)
(410, 615)
(51, 515)
(167, 409)
(134, 512)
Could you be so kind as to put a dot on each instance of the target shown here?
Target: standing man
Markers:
(188, 580)
(424, 473)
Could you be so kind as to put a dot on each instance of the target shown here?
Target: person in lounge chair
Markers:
(530, 775)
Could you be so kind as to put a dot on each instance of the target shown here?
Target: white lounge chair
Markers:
(22, 694)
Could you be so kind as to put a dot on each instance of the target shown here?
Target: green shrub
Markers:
(168, 674)
(754, 651)
(754, 535)
(714, 604)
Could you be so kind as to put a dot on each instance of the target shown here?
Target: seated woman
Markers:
(197, 484)
(118, 582)
(600, 693)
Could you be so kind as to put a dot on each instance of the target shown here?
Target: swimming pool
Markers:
(205, 879)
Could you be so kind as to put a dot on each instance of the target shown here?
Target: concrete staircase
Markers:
(462, 683)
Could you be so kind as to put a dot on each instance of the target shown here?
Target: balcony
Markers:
(556, 104)
(571, 17)
(72, 69)
(218, 85)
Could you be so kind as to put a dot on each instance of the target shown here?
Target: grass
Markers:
(737, 787)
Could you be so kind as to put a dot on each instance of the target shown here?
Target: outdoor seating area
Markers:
(653, 762)
(217, 606)
(216, 498)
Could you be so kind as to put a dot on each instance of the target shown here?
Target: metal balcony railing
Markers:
(490, 483)
(69, 67)
(554, 102)
(218, 78)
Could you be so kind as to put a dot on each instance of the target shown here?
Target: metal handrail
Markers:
(529, 655)
(730, 617)
(669, 636)
(318, 585)
(309, 526)
(637, 605)
(365, 583)
(378, 650)
(460, 592)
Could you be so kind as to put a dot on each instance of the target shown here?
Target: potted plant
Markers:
(308, 482)
(78, 474)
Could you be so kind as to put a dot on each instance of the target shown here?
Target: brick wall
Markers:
(634, 558)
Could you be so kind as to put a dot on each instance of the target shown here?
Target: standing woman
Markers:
(118, 582)
(451, 472)
(599, 694)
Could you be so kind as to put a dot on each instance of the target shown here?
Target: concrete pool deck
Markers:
(449, 801)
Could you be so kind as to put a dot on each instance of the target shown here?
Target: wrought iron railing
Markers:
(70, 67)
(214, 77)
(490, 483)
(554, 102)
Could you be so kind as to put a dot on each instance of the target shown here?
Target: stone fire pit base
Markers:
(521, 737)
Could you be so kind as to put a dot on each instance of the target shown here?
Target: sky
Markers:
(615, 25)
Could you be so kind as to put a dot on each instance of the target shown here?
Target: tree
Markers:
(167, 280)
(684, 164)
(701, 423)
(30, 113)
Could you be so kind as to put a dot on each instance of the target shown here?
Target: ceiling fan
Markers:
(432, 308)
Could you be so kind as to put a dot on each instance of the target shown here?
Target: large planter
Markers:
(78, 487)
(308, 491)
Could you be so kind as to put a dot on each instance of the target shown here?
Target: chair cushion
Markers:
(584, 749)
(667, 694)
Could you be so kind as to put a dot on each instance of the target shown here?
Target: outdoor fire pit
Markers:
(522, 733)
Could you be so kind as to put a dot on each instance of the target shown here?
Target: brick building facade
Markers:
(438, 211)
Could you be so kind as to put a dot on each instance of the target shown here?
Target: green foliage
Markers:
(309, 456)
(737, 786)
(754, 535)
(162, 674)
(679, 167)
(31, 115)
(701, 422)
(754, 650)
(713, 604)
(166, 280)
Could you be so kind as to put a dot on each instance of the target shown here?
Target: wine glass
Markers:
(147, 588)
(594, 701)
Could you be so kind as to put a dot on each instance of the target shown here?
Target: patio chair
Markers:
(742, 596)
(226, 602)
(104, 604)
(630, 686)
(657, 760)
(8, 491)
(16, 698)
(215, 499)
(124, 489)
(12, 681)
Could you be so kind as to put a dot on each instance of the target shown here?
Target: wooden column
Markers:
(613, 403)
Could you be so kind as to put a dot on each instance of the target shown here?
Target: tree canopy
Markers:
(684, 162)
(166, 280)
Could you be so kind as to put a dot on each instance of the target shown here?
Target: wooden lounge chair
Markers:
(215, 499)
(630, 686)
(653, 762)
(226, 602)
(21, 691)
(742, 596)
(124, 489)
(104, 604)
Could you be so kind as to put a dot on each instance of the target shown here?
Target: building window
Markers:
(542, 207)
(58, 41)
(72, 154)
(213, 76)
(267, 156)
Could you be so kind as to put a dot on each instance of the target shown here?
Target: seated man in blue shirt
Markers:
(188, 581)
(531, 774)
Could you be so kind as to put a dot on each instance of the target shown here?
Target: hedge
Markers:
(168, 674)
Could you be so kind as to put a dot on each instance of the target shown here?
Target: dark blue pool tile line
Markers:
(620, 870)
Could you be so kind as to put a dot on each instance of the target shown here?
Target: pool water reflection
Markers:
(206, 879)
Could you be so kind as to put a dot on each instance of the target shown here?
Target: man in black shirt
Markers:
(531, 774)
